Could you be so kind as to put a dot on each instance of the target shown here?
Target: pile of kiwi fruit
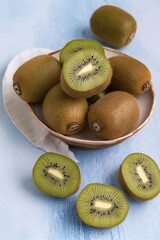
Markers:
(86, 87)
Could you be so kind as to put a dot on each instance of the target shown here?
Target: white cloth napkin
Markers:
(20, 114)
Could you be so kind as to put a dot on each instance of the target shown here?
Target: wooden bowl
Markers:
(85, 139)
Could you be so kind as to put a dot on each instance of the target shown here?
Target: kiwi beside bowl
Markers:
(85, 139)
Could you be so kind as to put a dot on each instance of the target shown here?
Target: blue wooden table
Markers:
(25, 212)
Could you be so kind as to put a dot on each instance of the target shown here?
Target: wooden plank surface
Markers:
(26, 213)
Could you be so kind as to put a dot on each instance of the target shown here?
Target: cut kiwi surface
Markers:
(85, 74)
(102, 206)
(56, 175)
(77, 45)
(140, 176)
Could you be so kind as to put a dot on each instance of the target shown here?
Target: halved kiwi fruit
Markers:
(34, 78)
(102, 206)
(85, 74)
(140, 176)
(77, 45)
(56, 175)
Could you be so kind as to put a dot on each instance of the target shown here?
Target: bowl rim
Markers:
(97, 142)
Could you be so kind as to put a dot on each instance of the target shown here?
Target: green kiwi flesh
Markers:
(113, 25)
(77, 45)
(35, 77)
(129, 75)
(114, 115)
(102, 206)
(85, 74)
(56, 175)
(62, 113)
(140, 176)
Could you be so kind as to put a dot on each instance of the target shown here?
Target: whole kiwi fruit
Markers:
(34, 78)
(85, 74)
(56, 175)
(102, 206)
(129, 75)
(139, 175)
(113, 25)
(63, 113)
(114, 115)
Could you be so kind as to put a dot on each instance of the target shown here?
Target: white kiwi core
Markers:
(142, 174)
(86, 69)
(55, 173)
(103, 204)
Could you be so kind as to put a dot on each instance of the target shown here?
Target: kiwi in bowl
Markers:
(79, 134)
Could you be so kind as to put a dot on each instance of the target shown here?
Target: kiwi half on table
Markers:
(113, 25)
(85, 74)
(102, 206)
(77, 45)
(140, 176)
(34, 78)
(56, 175)
(129, 75)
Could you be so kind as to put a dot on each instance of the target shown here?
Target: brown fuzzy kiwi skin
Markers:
(126, 188)
(35, 77)
(113, 25)
(129, 75)
(78, 94)
(114, 115)
(60, 111)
